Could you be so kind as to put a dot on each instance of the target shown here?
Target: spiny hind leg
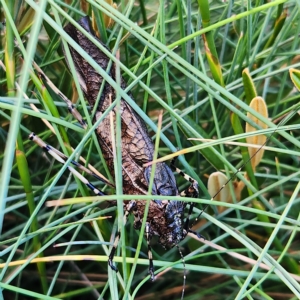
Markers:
(128, 209)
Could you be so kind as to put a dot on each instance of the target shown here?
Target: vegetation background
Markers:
(202, 62)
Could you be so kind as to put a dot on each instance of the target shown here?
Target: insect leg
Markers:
(113, 251)
(192, 192)
(62, 159)
(128, 208)
(131, 207)
(69, 103)
(137, 225)
(137, 219)
(150, 256)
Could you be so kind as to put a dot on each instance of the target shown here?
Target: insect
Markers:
(165, 218)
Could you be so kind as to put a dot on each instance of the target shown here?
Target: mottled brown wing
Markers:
(137, 146)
